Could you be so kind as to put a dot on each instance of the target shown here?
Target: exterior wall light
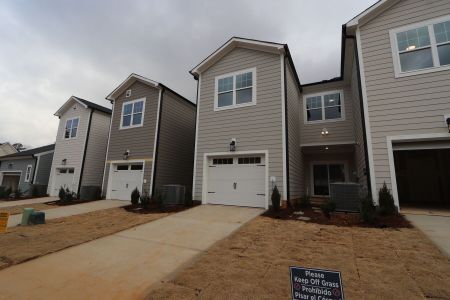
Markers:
(64, 162)
(324, 131)
(448, 124)
(233, 145)
(126, 155)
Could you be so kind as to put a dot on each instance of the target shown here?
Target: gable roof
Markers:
(7, 149)
(371, 12)
(30, 152)
(82, 102)
(135, 77)
(232, 43)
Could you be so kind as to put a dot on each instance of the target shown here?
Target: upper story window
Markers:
(71, 129)
(421, 48)
(235, 89)
(28, 173)
(327, 106)
(132, 113)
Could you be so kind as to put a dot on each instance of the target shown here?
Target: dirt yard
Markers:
(20, 244)
(254, 263)
(18, 209)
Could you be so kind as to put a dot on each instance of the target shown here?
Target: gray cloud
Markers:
(54, 49)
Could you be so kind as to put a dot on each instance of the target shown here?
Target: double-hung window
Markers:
(322, 107)
(71, 128)
(132, 114)
(28, 173)
(235, 89)
(422, 47)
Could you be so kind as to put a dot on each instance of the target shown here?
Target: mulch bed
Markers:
(338, 218)
(155, 208)
(74, 202)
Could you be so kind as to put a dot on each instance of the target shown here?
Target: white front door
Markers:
(237, 181)
(124, 179)
(64, 179)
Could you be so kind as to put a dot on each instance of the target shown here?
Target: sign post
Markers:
(316, 284)
(4, 216)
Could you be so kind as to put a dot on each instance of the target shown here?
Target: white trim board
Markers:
(129, 81)
(233, 154)
(107, 148)
(343, 143)
(283, 128)
(155, 141)
(196, 137)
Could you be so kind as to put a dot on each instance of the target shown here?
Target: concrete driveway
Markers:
(434, 223)
(126, 264)
(26, 201)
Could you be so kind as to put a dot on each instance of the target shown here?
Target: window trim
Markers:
(433, 45)
(28, 173)
(143, 114)
(322, 94)
(64, 130)
(234, 105)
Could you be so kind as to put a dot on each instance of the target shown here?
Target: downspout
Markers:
(286, 135)
(195, 138)
(157, 143)
(84, 153)
(35, 168)
(358, 72)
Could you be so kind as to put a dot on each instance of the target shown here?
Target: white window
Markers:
(28, 173)
(323, 107)
(422, 47)
(132, 113)
(235, 89)
(71, 129)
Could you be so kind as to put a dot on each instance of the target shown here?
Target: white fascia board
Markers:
(371, 12)
(127, 82)
(58, 113)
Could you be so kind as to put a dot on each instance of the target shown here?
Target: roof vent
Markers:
(128, 93)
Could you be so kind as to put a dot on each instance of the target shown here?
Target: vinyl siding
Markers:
(139, 140)
(19, 165)
(339, 131)
(70, 149)
(96, 150)
(43, 169)
(407, 105)
(257, 127)
(360, 160)
(175, 155)
(296, 188)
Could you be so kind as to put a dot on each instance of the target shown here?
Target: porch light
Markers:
(64, 162)
(326, 148)
(448, 124)
(233, 145)
(324, 131)
(126, 155)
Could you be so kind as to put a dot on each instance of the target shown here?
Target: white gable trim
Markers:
(129, 81)
(371, 12)
(63, 108)
(230, 45)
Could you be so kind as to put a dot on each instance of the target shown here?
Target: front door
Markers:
(324, 174)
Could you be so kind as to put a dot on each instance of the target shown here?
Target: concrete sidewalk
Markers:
(27, 201)
(70, 210)
(126, 264)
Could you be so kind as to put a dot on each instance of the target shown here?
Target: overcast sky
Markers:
(51, 50)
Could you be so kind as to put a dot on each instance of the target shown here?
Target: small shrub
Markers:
(328, 207)
(368, 210)
(145, 200)
(305, 201)
(276, 199)
(18, 193)
(62, 194)
(2, 192)
(70, 196)
(135, 195)
(386, 200)
(158, 198)
(188, 198)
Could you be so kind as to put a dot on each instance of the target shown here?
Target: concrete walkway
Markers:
(435, 225)
(27, 201)
(124, 265)
(70, 210)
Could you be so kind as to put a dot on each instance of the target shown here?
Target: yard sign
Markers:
(4, 216)
(316, 284)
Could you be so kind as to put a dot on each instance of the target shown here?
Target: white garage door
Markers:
(124, 179)
(63, 178)
(237, 181)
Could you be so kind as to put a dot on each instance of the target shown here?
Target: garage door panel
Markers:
(124, 179)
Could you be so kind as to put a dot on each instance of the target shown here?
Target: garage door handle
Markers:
(260, 194)
(235, 185)
(211, 192)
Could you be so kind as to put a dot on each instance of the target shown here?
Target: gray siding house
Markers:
(80, 147)
(151, 141)
(23, 169)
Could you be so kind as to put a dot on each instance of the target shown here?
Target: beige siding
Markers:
(401, 106)
(71, 149)
(360, 161)
(139, 140)
(96, 149)
(295, 155)
(339, 131)
(257, 127)
(175, 154)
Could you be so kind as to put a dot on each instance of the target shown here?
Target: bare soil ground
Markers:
(18, 209)
(253, 263)
(20, 244)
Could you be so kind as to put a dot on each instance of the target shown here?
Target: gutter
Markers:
(35, 168)
(84, 153)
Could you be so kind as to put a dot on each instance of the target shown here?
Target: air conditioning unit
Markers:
(173, 194)
(346, 195)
